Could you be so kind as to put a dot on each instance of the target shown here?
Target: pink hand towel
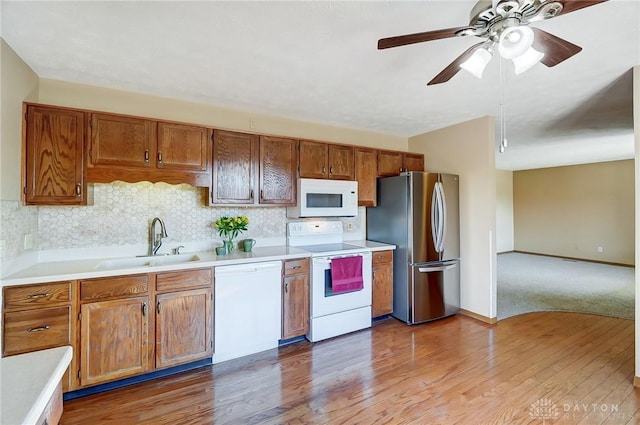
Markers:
(346, 274)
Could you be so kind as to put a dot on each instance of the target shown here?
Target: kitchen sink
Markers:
(151, 261)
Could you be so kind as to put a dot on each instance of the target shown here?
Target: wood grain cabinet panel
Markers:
(122, 141)
(38, 329)
(182, 147)
(413, 162)
(389, 163)
(183, 279)
(382, 283)
(326, 160)
(54, 152)
(366, 163)
(295, 298)
(277, 170)
(39, 295)
(184, 326)
(234, 167)
(114, 339)
(112, 287)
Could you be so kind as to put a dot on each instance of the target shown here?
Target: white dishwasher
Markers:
(248, 309)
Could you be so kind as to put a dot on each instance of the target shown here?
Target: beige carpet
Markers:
(528, 283)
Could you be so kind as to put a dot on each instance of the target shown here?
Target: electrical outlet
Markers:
(28, 242)
(252, 123)
(349, 227)
(600, 249)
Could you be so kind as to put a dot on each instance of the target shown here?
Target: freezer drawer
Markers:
(435, 291)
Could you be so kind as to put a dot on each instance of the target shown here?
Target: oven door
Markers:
(323, 301)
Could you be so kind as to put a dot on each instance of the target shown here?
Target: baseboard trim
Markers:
(573, 258)
(636, 381)
(485, 319)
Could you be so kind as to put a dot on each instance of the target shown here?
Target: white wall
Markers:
(468, 149)
(504, 211)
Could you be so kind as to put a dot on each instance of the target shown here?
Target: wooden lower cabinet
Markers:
(382, 282)
(53, 411)
(184, 326)
(114, 339)
(295, 298)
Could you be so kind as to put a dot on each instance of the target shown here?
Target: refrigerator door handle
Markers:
(434, 217)
(443, 215)
(439, 268)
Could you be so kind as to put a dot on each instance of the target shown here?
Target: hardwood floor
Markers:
(553, 368)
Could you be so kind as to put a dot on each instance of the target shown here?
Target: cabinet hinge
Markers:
(79, 316)
(79, 374)
(26, 116)
(91, 154)
(24, 190)
(90, 122)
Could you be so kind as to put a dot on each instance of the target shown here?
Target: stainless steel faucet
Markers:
(155, 239)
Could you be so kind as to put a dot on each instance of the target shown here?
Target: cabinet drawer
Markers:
(41, 295)
(32, 330)
(296, 266)
(185, 279)
(381, 257)
(120, 286)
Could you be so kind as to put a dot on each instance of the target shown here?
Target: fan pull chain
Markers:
(503, 119)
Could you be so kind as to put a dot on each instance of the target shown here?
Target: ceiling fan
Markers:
(504, 24)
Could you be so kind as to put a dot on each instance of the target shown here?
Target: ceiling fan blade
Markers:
(453, 68)
(419, 37)
(555, 49)
(569, 6)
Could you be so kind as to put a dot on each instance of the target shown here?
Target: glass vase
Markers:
(229, 245)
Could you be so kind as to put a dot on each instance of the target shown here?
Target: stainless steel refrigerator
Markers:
(418, 212)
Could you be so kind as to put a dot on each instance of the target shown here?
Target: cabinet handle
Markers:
(37, 296)
(146, 156)
(286, 287)
(261, 194)
(158, 307)
(295, 267)
(323, 170)
(251, 194)
(144, 309)
(79, 189)
(160, 157)
(39, 328)
(330, 170)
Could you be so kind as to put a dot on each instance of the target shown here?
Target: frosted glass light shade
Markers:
(477, 62)
(515, 41)
(527, 60)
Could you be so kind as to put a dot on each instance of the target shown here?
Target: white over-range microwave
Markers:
(325, 198)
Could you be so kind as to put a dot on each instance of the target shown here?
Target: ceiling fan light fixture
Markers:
(515, 41)
(477, 62)
(527, 60)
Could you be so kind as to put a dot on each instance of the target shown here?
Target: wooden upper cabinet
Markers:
(326, 161)
(182, 147)
(122, 141)
(389, 163)
(313, 160)
(277, 170)
(54, 151)
(392, 163)
(413, 162)
(234, 167)
(366, 161)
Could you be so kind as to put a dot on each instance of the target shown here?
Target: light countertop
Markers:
(53, 271)
(28, 382)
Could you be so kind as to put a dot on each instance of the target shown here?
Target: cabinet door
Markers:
(366, 163)
(182, 147)
(382, 283)
(114, 339)
(184, 330)
(389, 163)
(341, 162)
(234, 167)
(313, 160)
(278, 164)
(413, 162)
(54, 155)
(295, 304)
(122, 141)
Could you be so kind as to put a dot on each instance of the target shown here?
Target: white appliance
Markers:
(332, 314)
(248, 309)
(325, 198)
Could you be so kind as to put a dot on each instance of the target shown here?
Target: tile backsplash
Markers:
(121, 214)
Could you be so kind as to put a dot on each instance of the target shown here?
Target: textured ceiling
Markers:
(317, 61)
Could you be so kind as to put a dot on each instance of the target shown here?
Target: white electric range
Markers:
(332, 314)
